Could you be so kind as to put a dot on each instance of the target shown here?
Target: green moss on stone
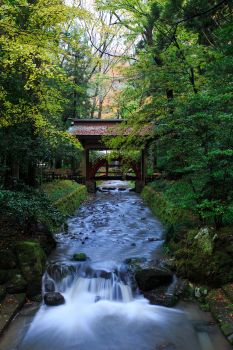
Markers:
(80, 257)
(31, 258)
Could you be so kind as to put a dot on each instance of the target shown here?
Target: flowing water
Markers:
(103, 309)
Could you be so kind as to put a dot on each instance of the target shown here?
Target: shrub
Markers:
(29, 206)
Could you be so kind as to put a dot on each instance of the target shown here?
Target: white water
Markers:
(101, 313)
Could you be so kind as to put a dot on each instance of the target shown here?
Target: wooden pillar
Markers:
(90, 183)
(140, 183)
(87, 164)
(83, 164)
(107, 166)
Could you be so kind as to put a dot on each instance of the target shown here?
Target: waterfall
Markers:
(103, 312)
(111, 282)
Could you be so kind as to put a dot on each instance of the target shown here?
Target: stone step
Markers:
(205, 341)
(9, 307)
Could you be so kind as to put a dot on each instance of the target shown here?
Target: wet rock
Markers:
(7, 259)
(150, 278)
(135, 263)
(104, 274)
(54, 299)
(80, 256)
(58, 272)
(153, 239)
(160, 296)
(97, 298)
(40, 227)
(31, 258)
(16, 285)
(133, 244)
(134, 260)
(49, 286)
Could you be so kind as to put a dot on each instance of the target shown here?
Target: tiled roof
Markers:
(100, 128)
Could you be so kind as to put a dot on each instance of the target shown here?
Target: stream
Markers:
(103, 309)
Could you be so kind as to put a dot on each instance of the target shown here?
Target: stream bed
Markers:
(103, 310)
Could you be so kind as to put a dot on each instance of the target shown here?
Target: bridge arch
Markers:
(94, 168)
(90, 133)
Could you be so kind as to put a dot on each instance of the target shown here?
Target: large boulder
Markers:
(54, 299)
(151, 278)
(159, 297)
(31, 259)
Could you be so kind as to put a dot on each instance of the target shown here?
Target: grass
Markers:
(66, 195)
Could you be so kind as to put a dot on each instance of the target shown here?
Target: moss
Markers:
(59, 188)
(227, 328)
(66, 195)
(205, 307)
(80, 257)
(31, 259)
(162, 207)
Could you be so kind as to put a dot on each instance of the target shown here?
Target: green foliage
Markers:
(181, 81)
(29, 206)
(35, 87)
(59, 188)
(162, 205)
(65, 195)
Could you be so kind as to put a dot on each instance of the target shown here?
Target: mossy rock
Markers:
(151, 278)
(79, 257)
(7, 259)
(135, 264)
(32, 259)
(16, 285)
